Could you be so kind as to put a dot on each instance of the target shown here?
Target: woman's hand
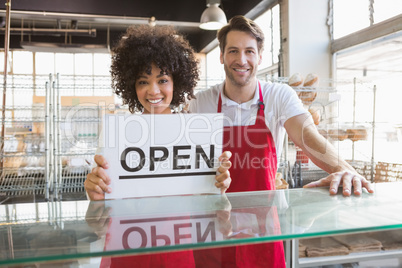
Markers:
(97, 181)
(223, 178)
(98, 217)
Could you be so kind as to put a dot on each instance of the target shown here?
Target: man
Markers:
(241, 43)
(257, 114)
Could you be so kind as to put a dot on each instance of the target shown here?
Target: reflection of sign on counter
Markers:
(153, 155)
(164, 231)
(142, 223)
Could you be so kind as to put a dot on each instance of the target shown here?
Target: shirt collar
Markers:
(245, 105)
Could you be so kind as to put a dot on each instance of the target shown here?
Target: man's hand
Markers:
(223, 179)
(346, 179)
(97, 181)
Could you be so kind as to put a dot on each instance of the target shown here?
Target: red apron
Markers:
(254, 165)
(180, 259)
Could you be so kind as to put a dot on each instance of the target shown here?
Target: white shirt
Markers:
(281, 103)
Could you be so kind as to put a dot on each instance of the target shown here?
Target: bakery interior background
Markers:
(376, 61)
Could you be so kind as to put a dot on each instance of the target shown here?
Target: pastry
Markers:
(311, 80)
(338, 134)
(324, 246)
(309, 92)
(359, 242)
(278, 181)
(295, 80)
(356, 134)
(316, 115)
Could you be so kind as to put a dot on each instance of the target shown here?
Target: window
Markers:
(22, 62)
(44, 63)
(376, 62)
(385, 9)
(102, 64)
(83, 64)
(352, 16)
(215, 72)
(64, 63)
(269, 23)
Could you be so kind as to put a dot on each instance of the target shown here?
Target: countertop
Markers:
(62, 230)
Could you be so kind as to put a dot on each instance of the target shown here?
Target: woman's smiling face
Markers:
(155, 91)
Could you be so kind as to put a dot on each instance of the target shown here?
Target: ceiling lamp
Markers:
(213, 18)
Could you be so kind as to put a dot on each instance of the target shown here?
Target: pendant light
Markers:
(213, 18)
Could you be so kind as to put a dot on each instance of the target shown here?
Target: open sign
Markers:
(153, 155)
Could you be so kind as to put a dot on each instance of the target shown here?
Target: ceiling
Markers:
(109, 19)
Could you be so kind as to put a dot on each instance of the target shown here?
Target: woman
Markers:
(153, 69)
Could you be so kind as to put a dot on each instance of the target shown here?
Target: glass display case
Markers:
(72, 231)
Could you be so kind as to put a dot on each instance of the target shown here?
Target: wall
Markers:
(307, 41)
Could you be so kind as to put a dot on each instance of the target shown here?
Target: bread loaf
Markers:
(338, 134)
(309, 92)
(311, 80)
(295, 80)
(278, 181)
(316, 115)
(356, 134)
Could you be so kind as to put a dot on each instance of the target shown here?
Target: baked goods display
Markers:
(315, 113)
(356, 134)
(302, 249)
(307, 89)
(390, 240)
(337, 134)
(309, 92)
(280, 183)
(323, 246)
(359, 243)
(311, 80)
(351, 243)
(296, 80)
(278, 178)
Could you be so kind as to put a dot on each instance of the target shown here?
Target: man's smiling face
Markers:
(240, 58)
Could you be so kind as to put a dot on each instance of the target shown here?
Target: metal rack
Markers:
(49, 147)
(76, 131)
(330, 94)
(23, 155)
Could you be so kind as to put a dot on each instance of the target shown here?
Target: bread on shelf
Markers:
(296, 80)
(311, 80)
(338, 134)
(309, 92)
(315, 113)
(356, 134)
(280, 183)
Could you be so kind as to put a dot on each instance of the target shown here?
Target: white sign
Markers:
(155, 155)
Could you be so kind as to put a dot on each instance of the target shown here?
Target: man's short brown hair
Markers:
(243, 24)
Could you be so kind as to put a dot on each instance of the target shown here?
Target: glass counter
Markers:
(67, 230)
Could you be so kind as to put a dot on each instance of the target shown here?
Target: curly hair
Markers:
(162, 45)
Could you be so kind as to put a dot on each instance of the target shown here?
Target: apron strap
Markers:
(261, 105)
